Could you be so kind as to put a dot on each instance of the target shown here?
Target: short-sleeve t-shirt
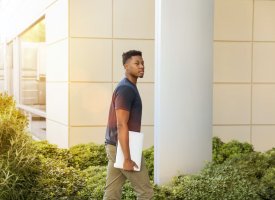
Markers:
(126, 97)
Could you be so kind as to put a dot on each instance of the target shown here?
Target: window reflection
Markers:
(1, 68)
(32, 67)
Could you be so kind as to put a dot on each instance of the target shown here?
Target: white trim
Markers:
(16, 68)
(32, 110)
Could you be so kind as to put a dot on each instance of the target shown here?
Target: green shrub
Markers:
(271, 156)
(128, 191)
(12, 123)
(16, 152)
(85, 155)
(246, 176)
(268, 184)
(56, 181)
(46, 150)
(163, 192)
(222, 151)
(95, 178)
(216, 182)
(216, 148)
(253, 164)
(70, 173)
(149, 158)
(9, 113)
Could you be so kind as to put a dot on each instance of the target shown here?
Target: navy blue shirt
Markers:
(126, 97)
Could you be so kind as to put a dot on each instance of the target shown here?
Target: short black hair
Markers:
(129, 54)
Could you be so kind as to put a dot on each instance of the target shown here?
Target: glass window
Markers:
(32, 78)
(1, 68)
(9, 58)
(32, 67)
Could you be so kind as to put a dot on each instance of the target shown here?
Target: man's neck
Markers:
(131, 78)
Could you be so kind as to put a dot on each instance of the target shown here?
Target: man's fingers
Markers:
(130, 166)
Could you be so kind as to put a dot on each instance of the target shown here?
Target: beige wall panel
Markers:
(2, 55)
(89, 103)
(91, 59)
(57, 66)
(264, 19)
(232, 61)
(228, 133)
(84, 135)
(57, 133)
(114, 85)
(263, 107)
(148, 136)
(2, 88)
(263, 137)
(2, 72)
(231, 104)
(146, 91)
(134, 19)
(264, 62)
(91, 18)
(147, 48)
(57, 102)
(57, 21)
(233, 20)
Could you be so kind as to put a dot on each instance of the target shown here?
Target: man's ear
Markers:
(126, 65)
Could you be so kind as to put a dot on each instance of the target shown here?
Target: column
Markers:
(183, 87)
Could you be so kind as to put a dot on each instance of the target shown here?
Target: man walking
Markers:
(124, 116)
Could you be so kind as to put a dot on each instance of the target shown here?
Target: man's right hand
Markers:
(129, 165)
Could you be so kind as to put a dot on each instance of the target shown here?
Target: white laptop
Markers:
(135, 145)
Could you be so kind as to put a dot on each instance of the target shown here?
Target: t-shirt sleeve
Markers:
(124, 98)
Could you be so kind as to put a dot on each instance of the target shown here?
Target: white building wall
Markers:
(2, 72)
(57, 88)
(244, 68)
(100, 31)
(85, 40)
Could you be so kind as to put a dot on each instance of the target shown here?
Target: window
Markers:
(32, 67)
(1, 68)
(32, 78)
(9, 58)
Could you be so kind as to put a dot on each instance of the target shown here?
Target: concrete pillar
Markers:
(183, 87)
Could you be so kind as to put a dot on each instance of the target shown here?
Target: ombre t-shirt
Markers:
(126, 97)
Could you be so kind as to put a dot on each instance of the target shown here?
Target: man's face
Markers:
(135, 66)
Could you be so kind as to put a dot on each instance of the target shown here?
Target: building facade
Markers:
(84, 41)
(61, 60)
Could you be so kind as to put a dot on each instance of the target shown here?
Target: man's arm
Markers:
(123, 137)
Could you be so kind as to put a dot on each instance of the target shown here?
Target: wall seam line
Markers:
(251, 86)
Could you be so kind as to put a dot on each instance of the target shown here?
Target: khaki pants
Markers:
(117, 177)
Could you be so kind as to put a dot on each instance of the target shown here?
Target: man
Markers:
(124, 116)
